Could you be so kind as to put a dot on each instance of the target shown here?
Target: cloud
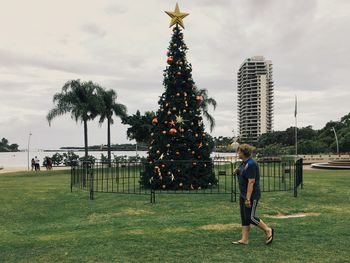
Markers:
(122, 46)
(93, 30)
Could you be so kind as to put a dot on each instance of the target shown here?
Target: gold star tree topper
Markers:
(176, 17)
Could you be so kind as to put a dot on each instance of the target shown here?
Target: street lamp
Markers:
(336, 139)
(30, 134)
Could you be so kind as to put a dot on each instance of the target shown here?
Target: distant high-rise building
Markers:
(255, 98)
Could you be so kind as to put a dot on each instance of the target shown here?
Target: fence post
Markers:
(301, 174)
(71, 179)
(91, 184)
(233, 183)
(153, 196)
(295, 178)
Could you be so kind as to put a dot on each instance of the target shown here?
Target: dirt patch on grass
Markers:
(104, 217)
(135, 232)
(135, 212)
(219, 227)
(54, 237)
(282, 216)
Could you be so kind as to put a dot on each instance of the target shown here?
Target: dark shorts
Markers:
(248, 214)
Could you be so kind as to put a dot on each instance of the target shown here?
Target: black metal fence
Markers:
(298, 176)
(125, 178)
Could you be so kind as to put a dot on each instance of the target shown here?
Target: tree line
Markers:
(310, 141)
(6, 147)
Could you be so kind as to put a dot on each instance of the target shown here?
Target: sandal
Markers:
(270, 238)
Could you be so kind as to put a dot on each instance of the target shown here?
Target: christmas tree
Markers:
(179, 148)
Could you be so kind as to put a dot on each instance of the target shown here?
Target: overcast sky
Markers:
(122, 46)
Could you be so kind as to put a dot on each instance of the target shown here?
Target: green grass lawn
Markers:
(41, 221)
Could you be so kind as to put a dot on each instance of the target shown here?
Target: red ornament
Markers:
(155, 121)
(172, 131)
(199, 98)
(178, 73)
(170, 60)
(177, 153)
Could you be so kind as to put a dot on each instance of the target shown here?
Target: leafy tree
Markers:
(80, 100)
(108, 108)
(6, 147)
(140, 129)
(344, 140)
(345, 120)
(70, 158)
(89, 159)
(57, 159)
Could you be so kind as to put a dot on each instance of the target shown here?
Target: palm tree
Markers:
(108, 107)
(206, 101)
(80, 100)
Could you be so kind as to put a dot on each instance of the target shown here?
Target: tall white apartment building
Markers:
(255, 98)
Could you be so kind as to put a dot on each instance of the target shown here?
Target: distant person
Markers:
(249, 186)
(33, 164)
(49, 163)
(37, 163)
(46, 162)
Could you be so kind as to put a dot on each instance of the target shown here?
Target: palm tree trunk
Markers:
(109, 140)
(86, 138)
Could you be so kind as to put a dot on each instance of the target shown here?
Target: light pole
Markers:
(30, 134)
(336, 139)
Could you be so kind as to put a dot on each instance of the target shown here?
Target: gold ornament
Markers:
(176, 16)
(179, 119)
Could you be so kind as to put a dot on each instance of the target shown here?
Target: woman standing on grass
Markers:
(249, 186)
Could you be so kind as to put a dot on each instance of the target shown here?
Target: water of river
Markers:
(20, 159)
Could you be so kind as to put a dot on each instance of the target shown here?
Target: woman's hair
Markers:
(246, 149)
